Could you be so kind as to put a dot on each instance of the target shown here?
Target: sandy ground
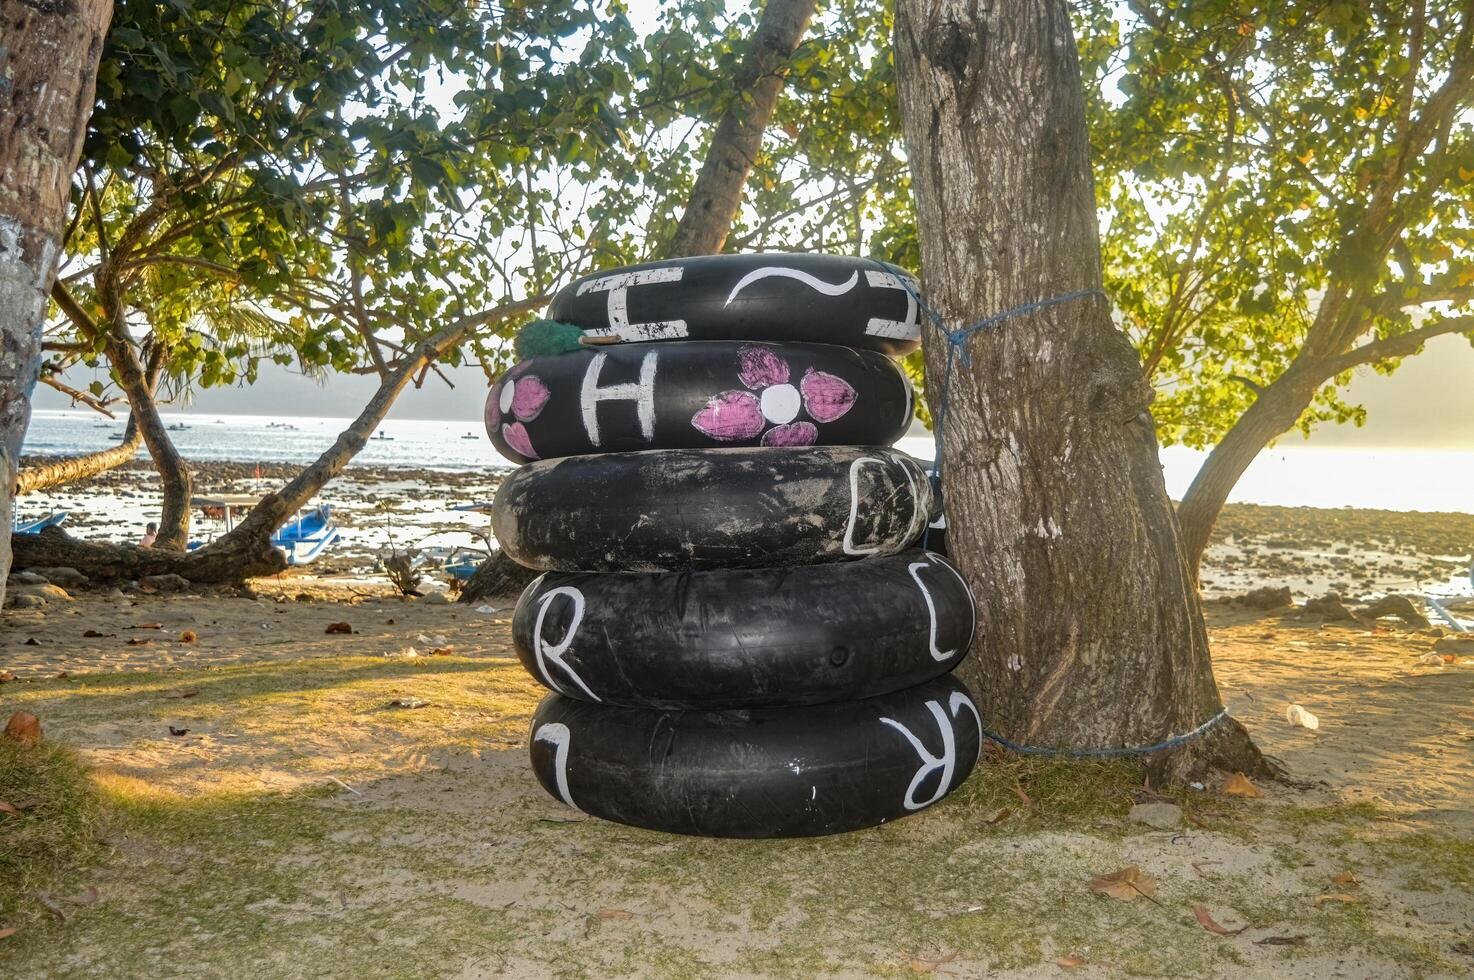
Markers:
(435, 854)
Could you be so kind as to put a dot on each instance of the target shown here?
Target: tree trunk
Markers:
(498, 577)
(48, 63)
(1090, 632)
(717, 193)
(224, 562)
(70, 469)
(1276, 410)
(174, 473)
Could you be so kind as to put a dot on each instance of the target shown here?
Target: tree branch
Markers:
(1387, 348)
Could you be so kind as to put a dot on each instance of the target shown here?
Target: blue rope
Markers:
(1170, 743)
(957, 350)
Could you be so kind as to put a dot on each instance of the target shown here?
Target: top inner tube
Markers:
(689, 396)
(823, 299)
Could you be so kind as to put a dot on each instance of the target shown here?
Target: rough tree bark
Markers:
(48, 70)
(1090, 632)
(717, 193)
(711, 207)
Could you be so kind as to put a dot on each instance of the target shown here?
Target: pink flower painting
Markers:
(771, 405)
(523, 399)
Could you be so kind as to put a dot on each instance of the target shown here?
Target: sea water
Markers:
(1289, 475)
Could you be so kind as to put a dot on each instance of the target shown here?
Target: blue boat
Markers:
(303, 540)
(53, 519)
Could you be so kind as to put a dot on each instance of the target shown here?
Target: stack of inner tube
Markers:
(740, 632)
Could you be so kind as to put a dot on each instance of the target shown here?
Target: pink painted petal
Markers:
(529, 397)
(515, 435)
(730, 416)
(792, 434)
(826, 397)
(759, 367)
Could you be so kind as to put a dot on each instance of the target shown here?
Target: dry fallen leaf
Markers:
(1070, 962)
(188, 636)
(1206, 921)
(8, 807)
(1125, 885)
(1018, 791)
(442, 651)
(178, 732)
(186, 693)
(1280, 941)
(6, 675)
(998, 816)
(149, 626)
(138, 641)
(50, 905)
(929, 964)
(339, 628)
(1239, 785)
(23, 728)
(6, 932)
(1346, 879)
(1341, 897)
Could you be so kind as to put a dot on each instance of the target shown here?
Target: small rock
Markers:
(1398, 606)
(1268, 597)
(25, 578)
(1330, 608)
(26, 602)
(168, 582)
(1161, 816)
(1458, 644)
(436, 599)
(46, 593)
(64, 576)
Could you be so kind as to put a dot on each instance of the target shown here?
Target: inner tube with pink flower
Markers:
(777, 296)
(689, 396)
(674, 509)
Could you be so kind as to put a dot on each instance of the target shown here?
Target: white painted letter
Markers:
(907, 329)
(617, 286)
(556, 734)
(545, 653)
(641, 392)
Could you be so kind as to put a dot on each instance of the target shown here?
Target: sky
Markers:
(1427, 404)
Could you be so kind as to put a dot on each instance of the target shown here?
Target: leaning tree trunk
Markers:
(1090, 632)
(48, 63)
(70, 469)
(174, 474)
(717, 193)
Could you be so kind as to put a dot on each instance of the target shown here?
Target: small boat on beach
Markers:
(54, 519)
(304, 539)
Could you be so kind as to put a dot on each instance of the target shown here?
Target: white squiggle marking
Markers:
(770, 271)
(617, 286)
(641, 392)
(556, 734)
(947, 761)
(849, 528)
(545, 653)
(960, 700)
(972, 600)
(931, 612)
(907, 329)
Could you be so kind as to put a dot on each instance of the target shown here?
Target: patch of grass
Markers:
(55, 831)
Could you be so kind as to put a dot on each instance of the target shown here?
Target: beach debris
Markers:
(1346, 879)
(1432, 659)
(22, 600)
(1072, 962)
(1205, 919)
(1396, 607)
(338, 628)
(1240, 785)
(167, 582)
(1161, 816)
(487, 610)
(6, 932)
(148, 626)
(408, 701)
(1343, 898)
(1126, 885)
(407, 653)
(340, 782)
(931, 964)
(402, 574)
(436, 599)
(95, 634)
(188, 636)
(31, 641)
(6, 676)
(1281, 941)
(1297, 715)
(188, 692)
(23, 728)
(51, 905)
(178, 732)
(139, 641)
(1266, 597)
